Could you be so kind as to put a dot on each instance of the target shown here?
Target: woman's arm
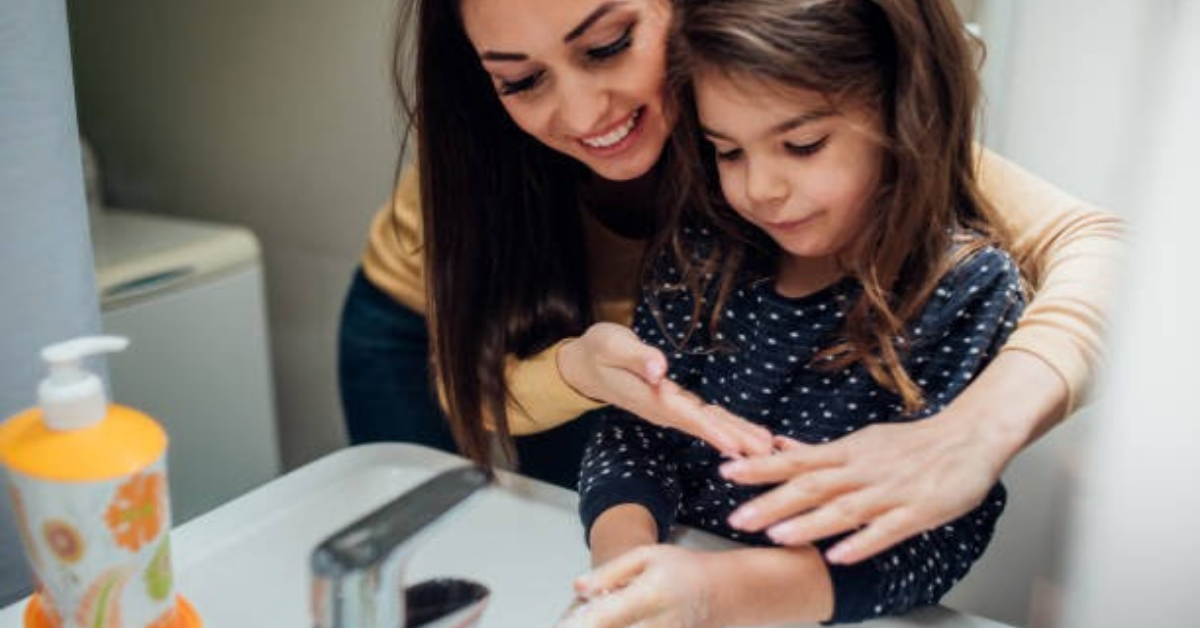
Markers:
(1071, 254)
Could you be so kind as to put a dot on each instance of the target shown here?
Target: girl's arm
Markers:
(621, 529)
(665, 585)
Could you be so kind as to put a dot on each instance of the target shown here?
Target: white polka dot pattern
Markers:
(759, 367)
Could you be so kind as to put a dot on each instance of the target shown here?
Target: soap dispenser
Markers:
(88, 485)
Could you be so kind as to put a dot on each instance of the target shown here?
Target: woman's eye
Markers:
(732, 154)
(614, 48)
(508, 88)
(804, 150)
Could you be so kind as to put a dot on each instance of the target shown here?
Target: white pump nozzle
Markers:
(71, 397)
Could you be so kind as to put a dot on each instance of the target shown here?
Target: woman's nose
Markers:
(582, 104)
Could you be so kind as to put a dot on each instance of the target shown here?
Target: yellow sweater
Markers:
(1072, 252)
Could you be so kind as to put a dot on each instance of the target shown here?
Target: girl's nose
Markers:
(766, 188)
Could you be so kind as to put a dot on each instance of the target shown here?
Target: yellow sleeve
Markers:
(1071, 254)
(394, 260)
(535, 383)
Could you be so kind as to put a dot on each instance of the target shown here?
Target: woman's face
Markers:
(791, 164)
(584, 77)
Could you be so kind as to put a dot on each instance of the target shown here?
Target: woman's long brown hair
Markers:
(914, 62)
(504, 249)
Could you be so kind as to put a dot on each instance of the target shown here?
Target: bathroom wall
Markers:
(1076, 120)
(275, 114)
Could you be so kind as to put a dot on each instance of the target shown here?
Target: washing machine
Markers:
(189, 296)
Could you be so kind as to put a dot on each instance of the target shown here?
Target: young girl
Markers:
(850, 276)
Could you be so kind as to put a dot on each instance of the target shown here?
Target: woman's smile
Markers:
(618, 137)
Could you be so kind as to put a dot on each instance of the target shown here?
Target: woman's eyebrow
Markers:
(587, 22)
(492, 55)
(575, 33)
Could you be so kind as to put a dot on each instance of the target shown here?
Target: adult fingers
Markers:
(798, 495)
(846, 513)
(883, 532)
(797, 458)
(619, 347)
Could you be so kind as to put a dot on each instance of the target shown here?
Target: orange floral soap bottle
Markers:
(88, 484)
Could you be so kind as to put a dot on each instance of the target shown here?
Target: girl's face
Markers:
(790, 164)
(584, 77)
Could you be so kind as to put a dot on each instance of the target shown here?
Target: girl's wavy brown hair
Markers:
(911, 61)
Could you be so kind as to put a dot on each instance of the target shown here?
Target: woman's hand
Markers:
(611, 364)
(890, 481)
(656, 586)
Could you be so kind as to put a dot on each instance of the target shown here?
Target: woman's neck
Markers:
(625, 207)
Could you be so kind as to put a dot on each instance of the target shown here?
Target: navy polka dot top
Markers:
(759, 366)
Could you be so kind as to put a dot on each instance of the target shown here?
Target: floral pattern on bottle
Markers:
(159, 573)
(135, 515)
(101, 603)
(64, 541)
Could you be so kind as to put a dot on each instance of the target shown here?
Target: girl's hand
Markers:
(611, 364)
(656, 586)
(888, 481)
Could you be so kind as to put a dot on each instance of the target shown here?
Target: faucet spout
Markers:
(358, 571)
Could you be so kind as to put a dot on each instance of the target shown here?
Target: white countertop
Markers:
(245, 564)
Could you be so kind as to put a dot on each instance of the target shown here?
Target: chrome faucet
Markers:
(358, 571)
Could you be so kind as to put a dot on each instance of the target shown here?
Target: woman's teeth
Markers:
(615, 135)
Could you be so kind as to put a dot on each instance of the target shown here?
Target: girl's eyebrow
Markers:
(574, 33)
(783, 127)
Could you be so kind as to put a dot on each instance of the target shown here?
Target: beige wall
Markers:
(276, 114)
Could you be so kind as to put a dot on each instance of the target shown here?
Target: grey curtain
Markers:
(47, 282)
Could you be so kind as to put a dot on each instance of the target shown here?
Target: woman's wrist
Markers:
(1015, 400)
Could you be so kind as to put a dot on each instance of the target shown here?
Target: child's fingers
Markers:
(783, 443)
(612, 575)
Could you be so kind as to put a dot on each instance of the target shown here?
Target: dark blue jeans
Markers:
(383, 375)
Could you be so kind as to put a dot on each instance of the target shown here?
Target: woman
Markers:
(541, 128)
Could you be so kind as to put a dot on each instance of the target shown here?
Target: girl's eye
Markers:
(614, 48)
(804, 150)
(508, 88)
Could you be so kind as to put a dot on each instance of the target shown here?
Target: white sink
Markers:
(245, 564)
